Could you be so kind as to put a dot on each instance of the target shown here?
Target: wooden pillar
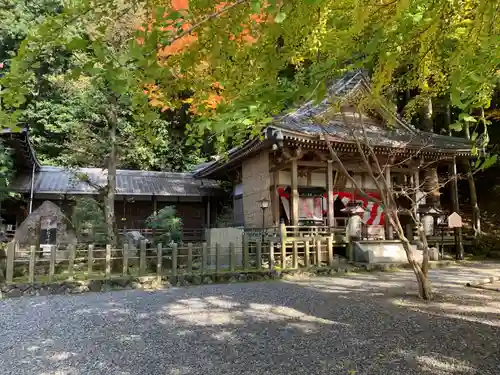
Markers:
(275, 199)
(456, 207)
(124, 215)
(208, 223)
(295, 194)
(388, 227)
(155, 211)
(329, 192)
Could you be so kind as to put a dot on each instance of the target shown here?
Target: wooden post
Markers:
(232, 257)
(90, 259)
(459, 245)
(52, 264)
(203, 257)
(388, 227)
(217, 258)
(283, 257)
(295, 255)
(258, 255)
(271, 256)
(190, 258)
(108, 261)
(330, 250)
(283, 241)
(318, 253)
(11, 250)
(295, 194)
(275, 199)
(246, 253)
(329, 185)
(31, 271)
(174, 260)
(142, 258)
(71, 261)
(307, 250)
(125, 260)
(159, 261)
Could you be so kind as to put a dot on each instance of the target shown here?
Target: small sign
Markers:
(454, 220)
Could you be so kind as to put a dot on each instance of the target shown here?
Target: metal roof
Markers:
(56, 180)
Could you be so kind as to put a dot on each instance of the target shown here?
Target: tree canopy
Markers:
(235, 64)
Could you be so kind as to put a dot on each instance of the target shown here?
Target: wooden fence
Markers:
(51, 263)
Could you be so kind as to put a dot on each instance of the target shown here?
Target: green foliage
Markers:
(262, 56)
(6, 171)
(88, 219)
(168, 225)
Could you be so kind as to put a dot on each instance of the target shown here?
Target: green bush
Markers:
(167, 223)
(487, 245)
(88, 220)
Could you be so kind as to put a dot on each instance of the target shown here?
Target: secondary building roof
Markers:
(57, 180)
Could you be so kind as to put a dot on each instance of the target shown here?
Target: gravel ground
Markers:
(361, 324)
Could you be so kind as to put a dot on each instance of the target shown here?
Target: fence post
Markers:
(330, 250)
(174, 260)
(90, 259)
(203, 257)
(271, 255)
(71, 261)
(108, 261)
(52, 265)
(31, 270)
(246, 253)
(283, 236)
(283, 256)
(125, 260)
(307, 249)
(318, 253)
(190, 258)
(159, 261)
(11, 253)
(258, 255)
(295, 255)
(217, 258)
(232, 257)
(142, 258)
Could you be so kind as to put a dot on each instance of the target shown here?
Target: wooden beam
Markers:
(281, 166)
(456, 207)
(295, 194)
(329, 184)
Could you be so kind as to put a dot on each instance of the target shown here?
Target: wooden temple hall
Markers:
(290, 166)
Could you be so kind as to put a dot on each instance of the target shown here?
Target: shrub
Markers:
(168, 225)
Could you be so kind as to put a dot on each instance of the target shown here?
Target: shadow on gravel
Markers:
(365, 324)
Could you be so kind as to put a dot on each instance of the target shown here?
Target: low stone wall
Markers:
(153, 283)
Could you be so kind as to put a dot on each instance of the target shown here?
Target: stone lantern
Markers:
(429, 218)
(354, 223)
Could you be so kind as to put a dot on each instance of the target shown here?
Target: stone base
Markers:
(383, 252)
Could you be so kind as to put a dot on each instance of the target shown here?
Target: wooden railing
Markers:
(85, 262)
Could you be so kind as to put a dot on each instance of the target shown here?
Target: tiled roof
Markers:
(305, 120)
(55, 180)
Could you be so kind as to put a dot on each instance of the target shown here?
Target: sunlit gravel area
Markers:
(359, 324)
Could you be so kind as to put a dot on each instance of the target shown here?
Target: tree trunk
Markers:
(476, 213)
(111, 180)
(421, 273)
(425, 249)
(426, 110)
(424, 284)
(431, 186)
